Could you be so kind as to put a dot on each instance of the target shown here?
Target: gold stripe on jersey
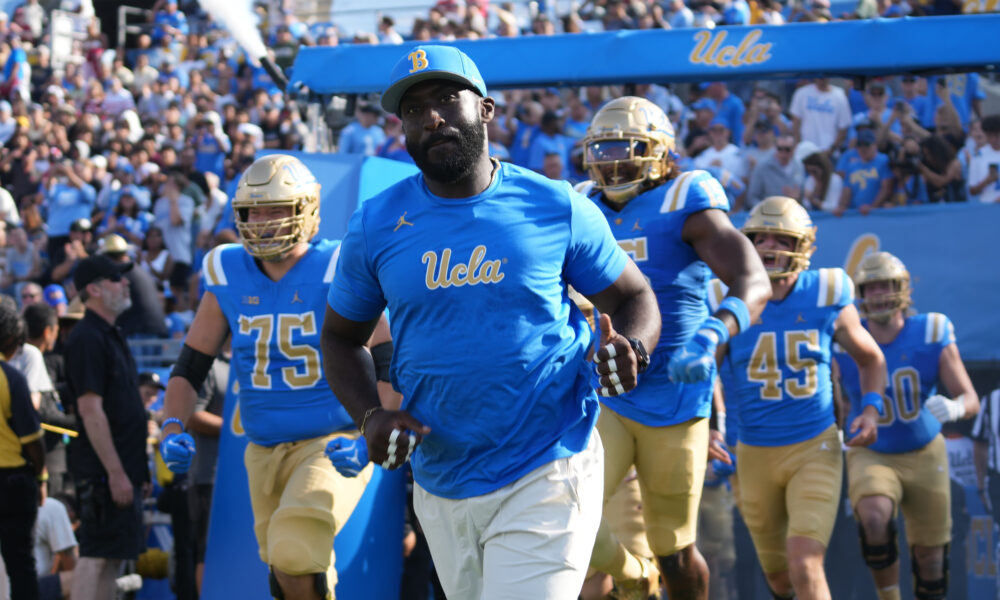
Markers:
(935, 328)
(716, 293)
(212, 267)
(678, 198)
(830, 284)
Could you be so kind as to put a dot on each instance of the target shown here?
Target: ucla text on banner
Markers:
(871, 47)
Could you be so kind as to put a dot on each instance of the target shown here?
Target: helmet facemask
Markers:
(786, 217)
(883, 267)
(272, 239)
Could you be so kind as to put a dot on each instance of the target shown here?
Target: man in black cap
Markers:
(108, 458)
(145, 318)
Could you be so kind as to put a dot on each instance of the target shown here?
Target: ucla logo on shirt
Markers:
(441, 274)
(710, 49)
(861, 177)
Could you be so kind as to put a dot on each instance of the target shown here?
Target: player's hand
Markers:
(695, 361)
(177, 450)
(717, 447)
(614, 360)
(864, 209)
(721, 469)
(944, 409)
(392, 437)
(864, 428)
(348, 456)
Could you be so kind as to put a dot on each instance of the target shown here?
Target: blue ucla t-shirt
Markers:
(912, 360)
(778, 370)
(283, 393)
(649, 229)
(863, 177)
(489, 350)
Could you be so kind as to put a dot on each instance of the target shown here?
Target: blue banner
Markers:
(949, 251)
(849, 48)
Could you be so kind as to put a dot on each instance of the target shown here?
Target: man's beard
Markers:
(117, 303)
(456, 165)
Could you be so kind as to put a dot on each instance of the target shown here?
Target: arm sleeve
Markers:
(24, 420)
(356, 292)
(593, 260)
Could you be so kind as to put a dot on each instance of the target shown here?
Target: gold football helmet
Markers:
(627, 147)
(276, 180)
(784, 216)
(882, 266)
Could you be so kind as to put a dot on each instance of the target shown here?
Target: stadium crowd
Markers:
(134, 153)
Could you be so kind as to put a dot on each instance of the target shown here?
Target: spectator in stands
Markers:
(68, 198)
(524, 122)
(760, 146)
(127, 219)
(822, 187)
(173, 213)
(697, 138)
(727, 107)
(31, 293)
(820, 114)
(104, 391)
(779, 175)
(908, 187)
(941, 170)
(76, 248)
(721, 153)
(55, 550)
(169, 23)
(984, 178)
(909, 87)
(679, 16)
(550, 140)
(23, 263)
(964, 93)
(362, 135)
(866, 173)
(878, 116)
(22, 462)
(155, 258)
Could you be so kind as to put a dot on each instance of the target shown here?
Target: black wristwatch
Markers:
(640, 353)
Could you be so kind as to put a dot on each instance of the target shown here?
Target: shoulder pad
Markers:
(938, 329)
(584, 187)
(706, 193)
(212, 266)
(835, 288)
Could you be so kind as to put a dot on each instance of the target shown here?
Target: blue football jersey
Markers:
(779, 368)
(489, 350)
(912, 360)
(276, 326)
(649, 229)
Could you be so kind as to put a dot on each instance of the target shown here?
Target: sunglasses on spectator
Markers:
(30, 296)
(877, 92)
(784, 148)
(112, 278)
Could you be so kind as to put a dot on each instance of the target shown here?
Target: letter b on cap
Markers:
(419, 60)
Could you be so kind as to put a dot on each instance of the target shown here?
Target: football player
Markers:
(673, 224)
(788, 459)
(270, 293)
(907, 468)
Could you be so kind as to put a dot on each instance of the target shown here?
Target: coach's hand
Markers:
(864, 428)
(177, 450)
(348, 456)
(614, 359)
(695, 361)
(392, 437)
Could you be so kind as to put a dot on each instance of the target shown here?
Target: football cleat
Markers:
(784, 216)
(628, 148)
(277, 180)
(882, 266)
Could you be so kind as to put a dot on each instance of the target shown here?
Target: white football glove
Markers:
(944, 409)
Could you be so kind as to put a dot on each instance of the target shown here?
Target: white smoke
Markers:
(239, 18)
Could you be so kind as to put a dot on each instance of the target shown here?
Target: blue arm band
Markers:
(172, 420)
(718, 327)
(738, 309)
(873, 399)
